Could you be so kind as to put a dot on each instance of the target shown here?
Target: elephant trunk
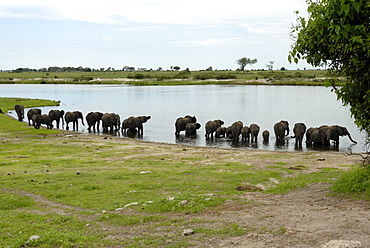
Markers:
(82, 120)
(287, 132)
(350, 138)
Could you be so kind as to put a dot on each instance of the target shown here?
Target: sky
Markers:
(194, 34)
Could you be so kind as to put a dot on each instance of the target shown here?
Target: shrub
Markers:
(225, 76)
(204, 76)
(138, 76)
(355, 181)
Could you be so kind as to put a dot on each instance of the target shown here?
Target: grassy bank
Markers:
(80, 190)
(296, 77)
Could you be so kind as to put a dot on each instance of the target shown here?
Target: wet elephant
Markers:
(73, 117)
(181, 122)
(245, 132)
(299, 130)
(19, 109)
(220, 132)
(56, 115)
(93, 120)
(313, 136)
(111, 122)
(236, 129)
(136, 122)
(280, 128)
(328, 133)
(265, 135)
(32, 112)
(191, 129)
(211, 127)
(254, 130)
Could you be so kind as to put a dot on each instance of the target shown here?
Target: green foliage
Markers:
(355, 181)
(243, 62)
(336, 34)
(204, 76)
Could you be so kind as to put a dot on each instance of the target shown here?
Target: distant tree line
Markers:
(87, 69)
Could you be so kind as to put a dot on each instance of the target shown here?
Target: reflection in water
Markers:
(264, 105)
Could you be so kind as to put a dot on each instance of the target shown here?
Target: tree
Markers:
(243, 62)
(336, 34)
(271, 65)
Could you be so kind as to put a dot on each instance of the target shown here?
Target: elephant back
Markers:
(70, 116)
(181, 122)
(236, 128)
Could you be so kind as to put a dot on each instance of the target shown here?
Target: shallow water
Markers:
(264, 105)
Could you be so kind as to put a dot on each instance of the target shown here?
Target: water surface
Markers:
(264, 105)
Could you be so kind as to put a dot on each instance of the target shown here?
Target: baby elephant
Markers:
(220, 132)
(41, 119)
(191, 129)
(265, 136)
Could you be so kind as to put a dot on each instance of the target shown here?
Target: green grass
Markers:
(355, 183)
(87, 182)
(294, 77)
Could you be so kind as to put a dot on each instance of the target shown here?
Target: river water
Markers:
(264, 105)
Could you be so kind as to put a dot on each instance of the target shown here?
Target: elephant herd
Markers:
(111, 122)
(314, 135)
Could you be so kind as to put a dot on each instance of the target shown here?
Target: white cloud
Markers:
(142, 28)
(190, 12)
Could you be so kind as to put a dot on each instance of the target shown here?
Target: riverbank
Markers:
(297, 77)
(70, 189)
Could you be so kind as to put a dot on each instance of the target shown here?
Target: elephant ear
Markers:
(343, 131)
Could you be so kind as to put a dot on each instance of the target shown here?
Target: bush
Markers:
(162, 77)
(182, 75)
(225, 76)
(138, 76)
(204, 76)
(355, 181)
(298, 75)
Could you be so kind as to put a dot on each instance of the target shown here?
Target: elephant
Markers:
(180, 124)
(254, 130)
(42, 119)
(110, 121)
(211, 127)
(136, 122)
(93, 120)
(265, 135)
(191, 129)
(19, 109)
(32, 112)
(220, 132)
(313, 136)
(56, 115)
(124, 125)
(328, 133)
(299, 130)
(228, 132)
(245, 133)
(73, 117)
(280, 128)
(309, 133)
(236, 129)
